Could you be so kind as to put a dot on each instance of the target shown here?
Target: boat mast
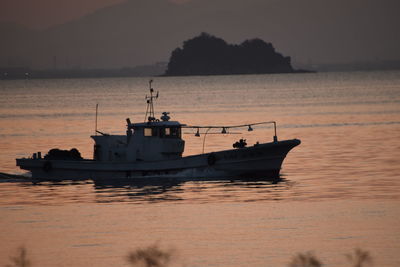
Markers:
(95, 124)
(150, 107)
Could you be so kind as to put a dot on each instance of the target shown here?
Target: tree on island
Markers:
(210, 55)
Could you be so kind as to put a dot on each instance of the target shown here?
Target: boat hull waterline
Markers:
(255, 162)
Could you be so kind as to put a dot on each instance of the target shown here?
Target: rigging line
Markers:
(204, 139)
(229, 126)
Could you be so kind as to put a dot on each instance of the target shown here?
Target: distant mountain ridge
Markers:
(208, 55)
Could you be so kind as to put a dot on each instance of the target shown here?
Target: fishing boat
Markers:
(153, 149)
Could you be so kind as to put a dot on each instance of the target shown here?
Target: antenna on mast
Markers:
(150, 107)
(95, 125)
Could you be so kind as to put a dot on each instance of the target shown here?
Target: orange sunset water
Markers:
(340, 188)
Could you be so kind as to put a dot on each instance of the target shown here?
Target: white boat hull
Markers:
(259, 161)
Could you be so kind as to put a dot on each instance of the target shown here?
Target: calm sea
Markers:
(340, 188)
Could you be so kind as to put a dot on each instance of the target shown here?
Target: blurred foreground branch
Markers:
(359, 258)
(151, 256)
(21, 259)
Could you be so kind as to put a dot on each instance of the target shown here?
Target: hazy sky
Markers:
(119, 33)
(41, 14)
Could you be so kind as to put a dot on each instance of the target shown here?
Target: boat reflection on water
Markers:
(153, 190)
(209, 190)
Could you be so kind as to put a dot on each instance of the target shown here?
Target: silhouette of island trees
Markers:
(210, 55)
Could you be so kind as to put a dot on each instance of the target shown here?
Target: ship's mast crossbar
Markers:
(227, 127)
(150, 107)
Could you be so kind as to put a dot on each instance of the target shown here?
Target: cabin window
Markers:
(151, 131)
(148, 132)
(176, 132)
(173, 132)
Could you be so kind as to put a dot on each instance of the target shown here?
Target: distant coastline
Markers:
(27, 73)
(201, 55)
(159, 70)
(204, 55)
(142, 71)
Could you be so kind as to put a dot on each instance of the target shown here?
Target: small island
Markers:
(210, 55)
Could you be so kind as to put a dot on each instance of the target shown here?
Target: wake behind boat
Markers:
(153, 149)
